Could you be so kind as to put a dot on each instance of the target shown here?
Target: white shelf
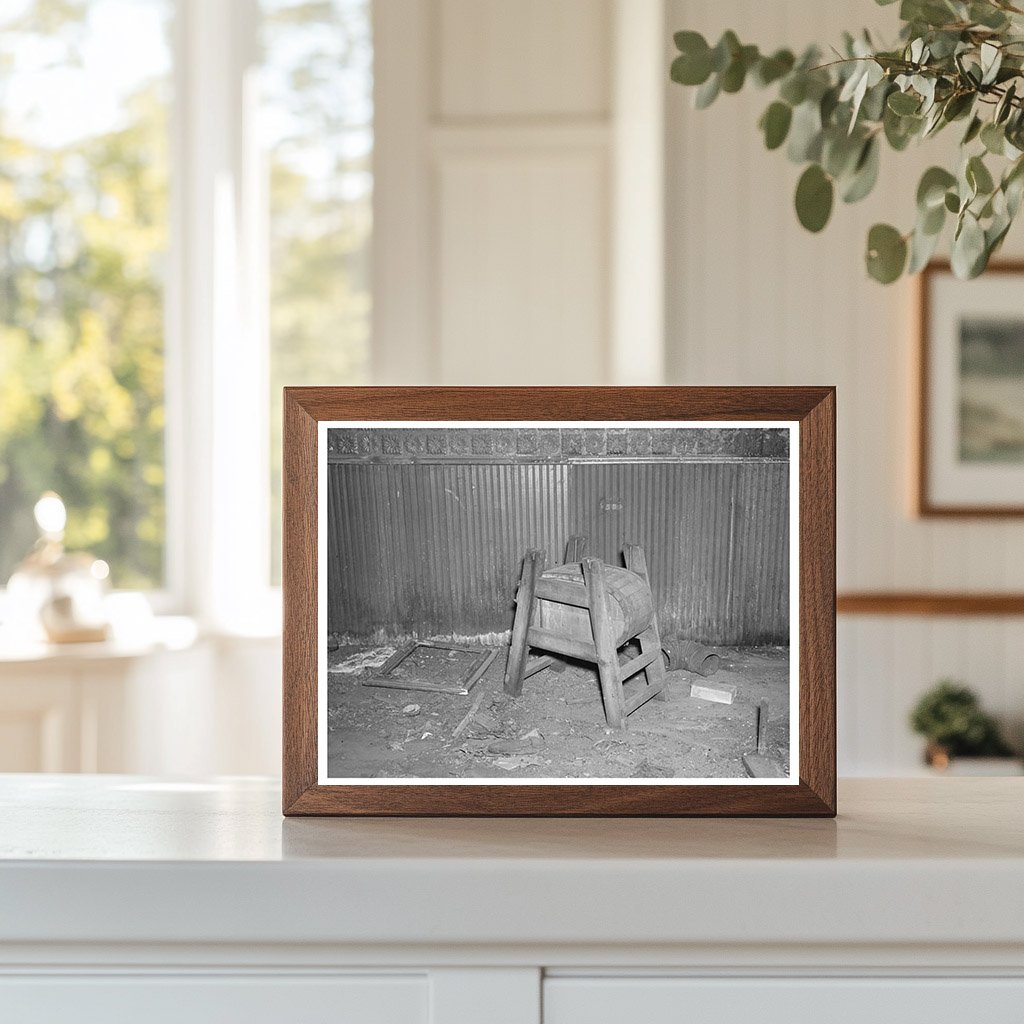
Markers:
(914, 896)
(123, 859)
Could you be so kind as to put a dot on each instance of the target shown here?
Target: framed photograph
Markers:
(559, 601)
(970, 445)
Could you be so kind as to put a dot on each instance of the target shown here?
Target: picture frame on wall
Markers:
(559, 601)
(969, 448)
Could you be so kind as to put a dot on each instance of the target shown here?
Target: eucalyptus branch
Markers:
(954, 60)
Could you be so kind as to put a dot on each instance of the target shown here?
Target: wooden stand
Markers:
(601, 648)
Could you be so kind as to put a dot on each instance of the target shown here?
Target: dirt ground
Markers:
(555, 729)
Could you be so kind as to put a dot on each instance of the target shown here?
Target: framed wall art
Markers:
(559, 601)
(970, 443)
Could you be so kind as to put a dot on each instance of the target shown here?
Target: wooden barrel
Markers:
(629, 605)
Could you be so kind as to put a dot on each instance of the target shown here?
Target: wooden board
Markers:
(461, 686)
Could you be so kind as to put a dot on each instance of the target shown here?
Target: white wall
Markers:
(514, 157)
(754, 299)
(501, 152)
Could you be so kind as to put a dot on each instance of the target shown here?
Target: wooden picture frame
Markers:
(807, 412)
(946, 484)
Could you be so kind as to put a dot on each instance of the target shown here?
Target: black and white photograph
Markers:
(522, 602)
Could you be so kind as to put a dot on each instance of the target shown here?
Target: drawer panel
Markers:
(202, 999)
(674, 1000)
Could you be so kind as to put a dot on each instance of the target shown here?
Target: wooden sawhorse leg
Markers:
(604, 643)
(533, 566)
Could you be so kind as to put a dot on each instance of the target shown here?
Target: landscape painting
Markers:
(991, 389)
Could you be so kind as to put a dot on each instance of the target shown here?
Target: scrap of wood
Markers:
(473, 709)
(762, 727)
(384, 678)
(759, 765)
(720, 694)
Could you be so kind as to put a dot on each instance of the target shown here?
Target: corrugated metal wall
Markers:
(715, 536)
(435, 548)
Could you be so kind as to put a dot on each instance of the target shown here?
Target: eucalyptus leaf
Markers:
(735, 74)
(900, 130)
(775, 124)
(968, 247)
(931, 190)
(1014, 192)
(1005, 105)
(944, 44)
(932, 221)
(978, 176)
(840, 152)
(771, 69)
(930, 12)
(794, 88)
(814, 195)
(886, 253)
(865, 173)
(987, 15)
(1013, 187)
(991, 60)
(724, 51)
(993, 138)
(828, 105)
(922, 248)
(707, 93)
(958, 105)
(904, 103)
(933, 122)
(805, 133)
(873, 106)
(925, 87)
(973, 130)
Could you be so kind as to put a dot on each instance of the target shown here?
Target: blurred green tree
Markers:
(82, 233)
(83, 238)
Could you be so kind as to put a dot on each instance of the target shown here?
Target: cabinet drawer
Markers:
(222, 999)
(675, 1000)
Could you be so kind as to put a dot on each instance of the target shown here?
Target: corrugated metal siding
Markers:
(437, 548)
(715, 536)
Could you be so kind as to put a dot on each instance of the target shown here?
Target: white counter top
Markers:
(118, 860)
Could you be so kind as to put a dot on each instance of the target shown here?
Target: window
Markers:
(317, 88)
(185, 221)
(83, 235)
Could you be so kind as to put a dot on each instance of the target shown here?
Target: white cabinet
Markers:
(174, 705)
(126, 899)
(99, 707)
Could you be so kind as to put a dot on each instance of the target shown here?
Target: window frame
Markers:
(217, 350)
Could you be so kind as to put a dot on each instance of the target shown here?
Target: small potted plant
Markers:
(950, 717)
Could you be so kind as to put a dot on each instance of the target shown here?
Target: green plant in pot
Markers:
(957, 63)
(950, 717)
